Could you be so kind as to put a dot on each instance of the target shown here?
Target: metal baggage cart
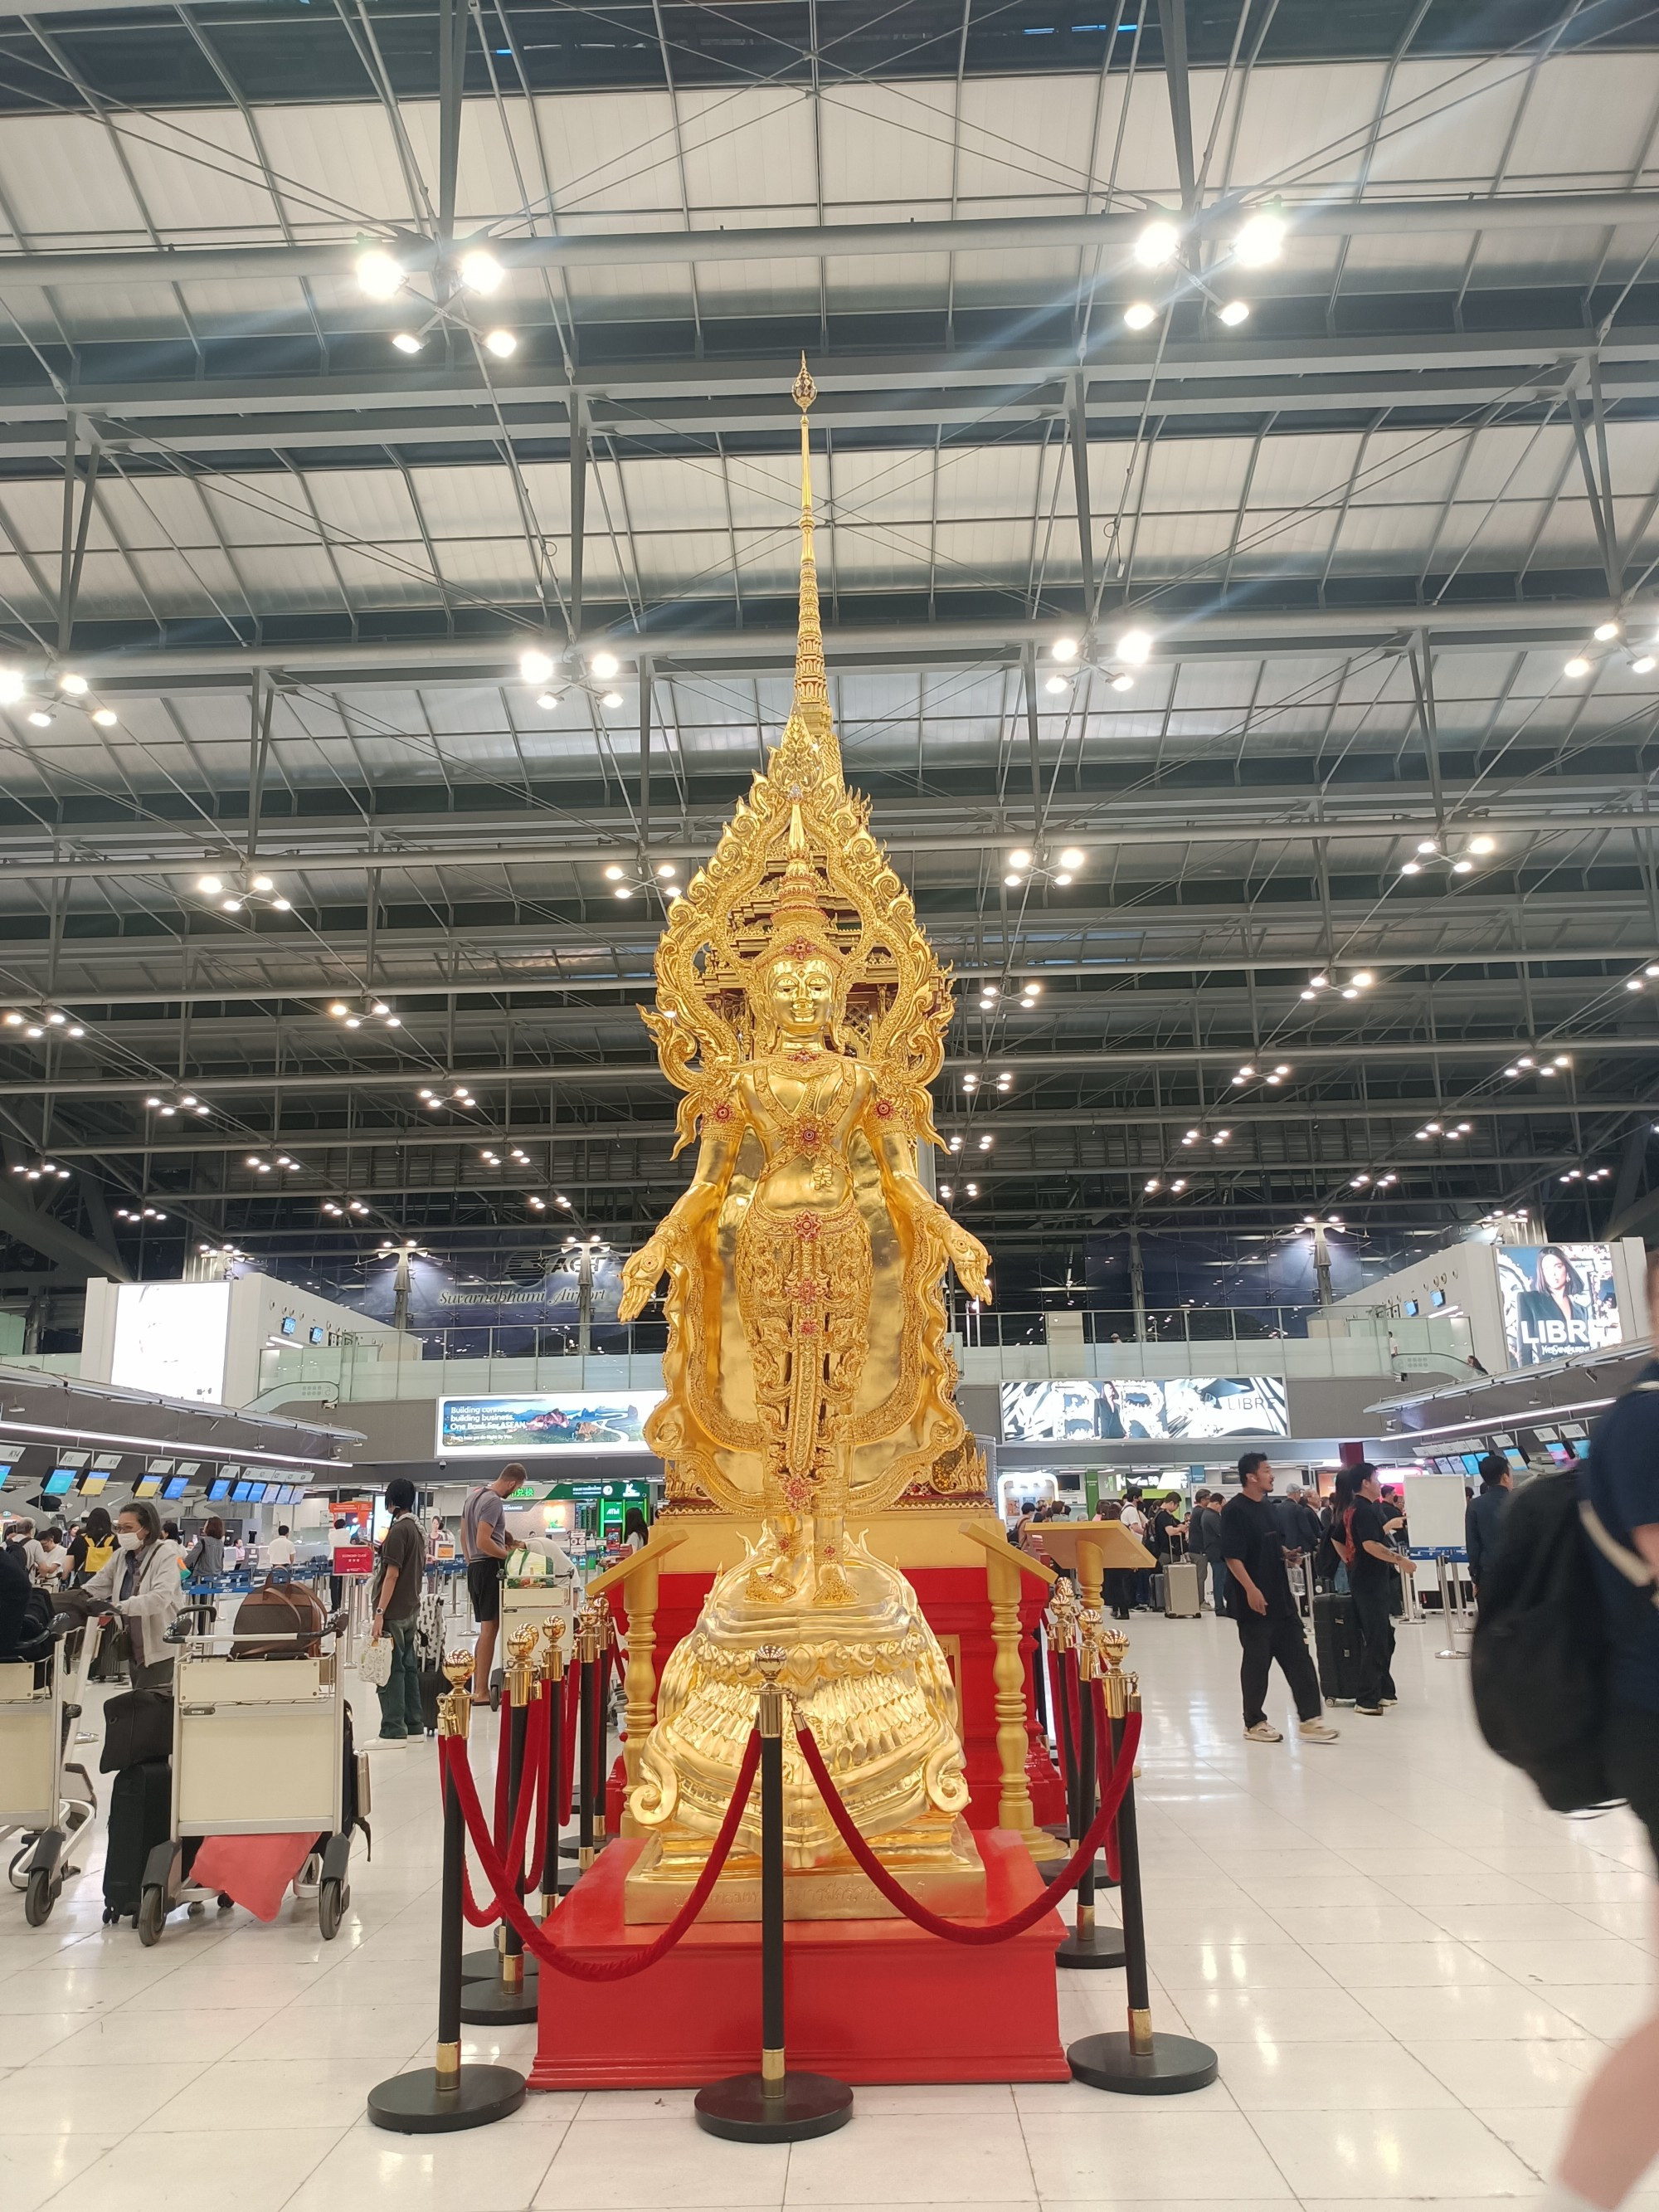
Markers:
(259, 1749)
(46, 1798)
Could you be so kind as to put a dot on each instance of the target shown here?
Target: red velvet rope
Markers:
(1117, 1783)
(452, 1766)
(538, 1733)
(531, 1784)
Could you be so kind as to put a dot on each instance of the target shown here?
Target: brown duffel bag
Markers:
(279, 1620)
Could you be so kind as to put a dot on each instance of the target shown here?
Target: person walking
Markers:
(1485, 1511)
(395, 1598)
(139, 1589)
(483, 1546)
(1613, 2137)
(93, 1545)
(1264, 1612)
(1373, 1567)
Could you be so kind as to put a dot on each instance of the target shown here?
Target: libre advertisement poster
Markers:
(1558, 1299)
(1192, 1405)
(597, 1420)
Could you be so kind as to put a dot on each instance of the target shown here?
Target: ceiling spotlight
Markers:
(1645, 665)
(1604, 633)
(1577, 667)
(1032, 990)
(667, 870)
(34, 1030)
(1364, 978)
(74, 685)
(379, 1007)
(1234, 313)
(1056, 684)
(211, 885)
(1411, 867)
(40, 719)
(1359, 1182)
(56, 1020)
(1157, 245)
(406, 342)
(612, 699)
(1310, 994)
(1462, 867)
(1122, 683)
(1062, 880)
(263, 884)
(1153, 1184)
(12, 686)
(501, 344)
(1013, 882)
(1019, 859)
(480, 271)
(379, 276)
(1140, 317)
(624, 891)
(1427, 845)
(613, 874)
(973, 1190)
(988, 991)
(339, 1011)
(231, 905)
(1260, 241)
(105, 717)
(1483, 845)
(1064, 648)
(1072, 858)
(534, 665)
(604, 665)
(1134, 646)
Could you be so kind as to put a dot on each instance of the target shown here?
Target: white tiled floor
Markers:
(1408, 1967)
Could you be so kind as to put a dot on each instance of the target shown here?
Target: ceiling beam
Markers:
(75, 1254)
(1382, 217)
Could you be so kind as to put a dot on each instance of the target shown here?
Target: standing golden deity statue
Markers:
(807, 1378)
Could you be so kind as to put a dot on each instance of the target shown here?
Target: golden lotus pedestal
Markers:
(840, 1892)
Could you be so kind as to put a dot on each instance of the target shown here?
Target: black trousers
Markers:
(1629, 1744)
(1374, 1622)
(1263, 1638)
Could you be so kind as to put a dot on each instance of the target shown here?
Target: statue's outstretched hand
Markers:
(640, 1275)
(970, 1260)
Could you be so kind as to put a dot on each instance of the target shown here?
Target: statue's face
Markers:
(801, 994)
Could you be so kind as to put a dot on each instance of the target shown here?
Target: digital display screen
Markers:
(290, 1327)
(177, 1485)
(243, 1494)
(1472, 1462)
(1516, 1459)
(1436, 1297)
(148, 1487)
(318, 1334)
(61, 1480)
(1561, 1453)
(220, 1488)
(92, 1484)
(1409, 1308)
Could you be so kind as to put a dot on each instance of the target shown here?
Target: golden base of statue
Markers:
(865, 1674)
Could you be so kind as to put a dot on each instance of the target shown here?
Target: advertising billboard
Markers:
(1558, 1299)
(171, 1339)
(1190, 1406)
(595, 1420)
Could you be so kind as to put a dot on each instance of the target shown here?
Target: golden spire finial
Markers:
(812, 685)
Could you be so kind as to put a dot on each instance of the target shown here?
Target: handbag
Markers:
(137, 1727)
(375, 1665)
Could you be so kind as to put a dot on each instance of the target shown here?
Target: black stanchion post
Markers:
(1061, 1623)
(439, 2098)
(1144, 2062)
(1089, 1945)
(774, 2106)
(509, 1999)
(552, 1672)
(589, 1646)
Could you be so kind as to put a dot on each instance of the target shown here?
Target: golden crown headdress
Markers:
(798, 856)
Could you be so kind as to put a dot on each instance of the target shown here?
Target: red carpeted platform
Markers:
(868, 2000)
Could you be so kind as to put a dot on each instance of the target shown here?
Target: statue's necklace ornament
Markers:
(802, 1012)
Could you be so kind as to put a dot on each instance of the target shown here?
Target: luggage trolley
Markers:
(259, 1749)
(45, 1798)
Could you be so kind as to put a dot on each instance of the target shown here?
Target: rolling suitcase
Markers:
(1180, 1598)
(140, 1817)
(1336, 1647)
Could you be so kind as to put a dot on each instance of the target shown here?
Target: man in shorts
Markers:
(483, 1546)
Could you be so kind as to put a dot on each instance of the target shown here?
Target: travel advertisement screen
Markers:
(1191, 1406)
(1558, 1299)
(598, 1420)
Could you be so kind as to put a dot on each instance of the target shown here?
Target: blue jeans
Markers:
(400, 1696)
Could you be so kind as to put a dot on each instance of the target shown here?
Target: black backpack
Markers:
(1539, 1662)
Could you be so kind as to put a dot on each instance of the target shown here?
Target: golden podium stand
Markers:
(1092, 1549)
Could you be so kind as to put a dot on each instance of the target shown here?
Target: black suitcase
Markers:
(140, 1817)
(1336, 1647)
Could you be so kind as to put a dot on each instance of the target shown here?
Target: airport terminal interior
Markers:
(829, 1102)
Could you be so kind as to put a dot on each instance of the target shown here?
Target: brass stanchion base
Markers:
(747, 2108)
(422, 2104)
(495, 2005)
(1101, 1945)
(1174, 2065)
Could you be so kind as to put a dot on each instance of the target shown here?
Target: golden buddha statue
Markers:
(802, 1011)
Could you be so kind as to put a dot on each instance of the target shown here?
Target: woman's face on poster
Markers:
(1557, 1276)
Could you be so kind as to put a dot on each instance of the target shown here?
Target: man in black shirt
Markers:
(1371, 1585)
(1259, 1598)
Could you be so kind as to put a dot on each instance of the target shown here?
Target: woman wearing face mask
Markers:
(139, 1589)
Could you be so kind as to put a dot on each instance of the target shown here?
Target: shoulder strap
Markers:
(1629, 1563)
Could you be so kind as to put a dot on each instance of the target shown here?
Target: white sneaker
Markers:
(1263, 1732)
(1317, 1731)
